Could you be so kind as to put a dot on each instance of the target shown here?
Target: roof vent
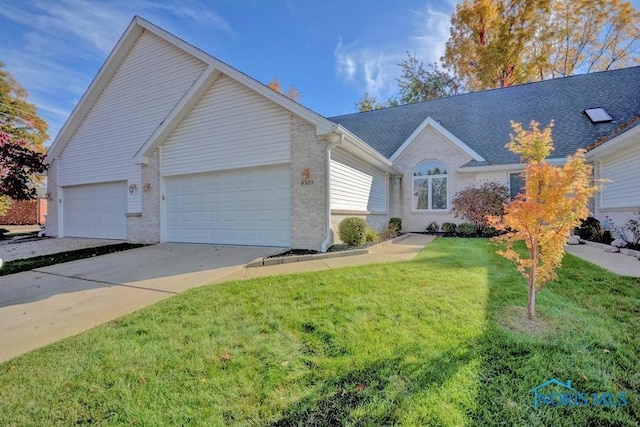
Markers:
(598, 115)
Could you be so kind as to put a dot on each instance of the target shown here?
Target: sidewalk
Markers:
(618, 263)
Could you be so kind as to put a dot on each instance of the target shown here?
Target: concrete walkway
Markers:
(45, 305)
(618, 263)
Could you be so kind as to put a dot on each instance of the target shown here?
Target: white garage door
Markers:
(246, 207)
(95, 210)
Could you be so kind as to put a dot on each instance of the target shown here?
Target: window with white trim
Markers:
(430, 186)
(516, 184)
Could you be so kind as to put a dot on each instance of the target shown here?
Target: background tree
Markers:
(420, 83)
(588, 35)
(18, 117)
(368, 103)
(18, 165)
(498, 43)
(292, 93)
(554, 201)
(476, 203)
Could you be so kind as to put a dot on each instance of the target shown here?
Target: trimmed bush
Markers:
(449, 227)
(433, 227)
(466, 229)
(352, 230)
(371, 235)
(396, 223)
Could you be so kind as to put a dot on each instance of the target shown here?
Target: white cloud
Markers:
(432, 33)
(345, 62)
(371, 62)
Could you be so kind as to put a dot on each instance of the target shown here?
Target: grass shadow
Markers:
(375, 393)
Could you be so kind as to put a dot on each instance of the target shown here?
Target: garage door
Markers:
(96, 210)
(245, 207)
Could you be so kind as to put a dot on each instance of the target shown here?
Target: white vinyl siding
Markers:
(147, 85)
(96, 210)
(241, 207)
(230, 127)
(621, 172)
(356, 186)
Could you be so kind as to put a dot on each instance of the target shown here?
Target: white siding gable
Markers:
(356, 186)
(621, 170)
(230, 127)
(147, 85)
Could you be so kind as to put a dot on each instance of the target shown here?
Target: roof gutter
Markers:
(334, 139)
(508, 167)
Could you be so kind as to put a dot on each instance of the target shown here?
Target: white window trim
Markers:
(414, 207)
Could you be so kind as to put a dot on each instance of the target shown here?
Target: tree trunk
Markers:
(531, 302)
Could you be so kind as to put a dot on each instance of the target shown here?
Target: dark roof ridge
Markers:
(538, 82)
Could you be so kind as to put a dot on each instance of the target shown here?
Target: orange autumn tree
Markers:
(554, 201)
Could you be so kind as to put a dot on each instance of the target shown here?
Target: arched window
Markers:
(430, 186)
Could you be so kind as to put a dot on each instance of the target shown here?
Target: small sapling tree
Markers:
(555, 200)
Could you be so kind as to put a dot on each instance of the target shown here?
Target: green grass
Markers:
(19, 265)
(439, 340)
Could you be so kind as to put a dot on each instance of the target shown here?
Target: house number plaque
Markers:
(306, 177)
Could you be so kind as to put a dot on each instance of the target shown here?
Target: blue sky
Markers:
(331, 50)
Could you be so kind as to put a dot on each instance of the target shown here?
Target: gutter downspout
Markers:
(329, 235)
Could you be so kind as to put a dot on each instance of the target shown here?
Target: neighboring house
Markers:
(170, 144)
(26, 212)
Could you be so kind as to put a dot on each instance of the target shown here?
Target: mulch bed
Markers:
(19, 265)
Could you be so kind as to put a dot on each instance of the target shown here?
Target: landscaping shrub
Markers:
(371, 235)
(352, 230)
(449, 228)
(590, 229)
(433, 227)
(390, 233)
(467, 229)
(476, 203)
(629, 232)
(396, 223)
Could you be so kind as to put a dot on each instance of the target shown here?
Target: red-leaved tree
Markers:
(18, 165)
(476, 203)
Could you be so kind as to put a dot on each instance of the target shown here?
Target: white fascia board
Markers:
(557, 161)
(323, 126)
(444, 132)
(177, 114)
(99, 82)
(363, 151)
(625, 139)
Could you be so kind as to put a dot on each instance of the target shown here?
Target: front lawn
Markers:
(440, 340)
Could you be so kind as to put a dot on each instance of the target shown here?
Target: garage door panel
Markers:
(247, 207)
(95, 210)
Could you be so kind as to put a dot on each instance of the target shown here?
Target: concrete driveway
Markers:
(45, 305)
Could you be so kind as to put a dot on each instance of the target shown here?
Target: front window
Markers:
(430, 186)
(516, 184)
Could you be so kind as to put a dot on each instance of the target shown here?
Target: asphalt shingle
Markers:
(482, 119)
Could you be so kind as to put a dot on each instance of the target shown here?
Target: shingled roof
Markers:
(482, 119)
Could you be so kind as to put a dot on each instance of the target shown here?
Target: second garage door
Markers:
(244, 207)
(95, 210)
